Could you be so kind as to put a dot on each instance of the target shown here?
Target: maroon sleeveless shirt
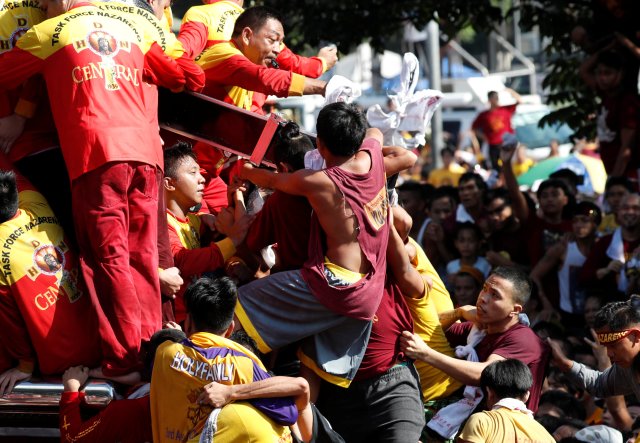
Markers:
(366, 194)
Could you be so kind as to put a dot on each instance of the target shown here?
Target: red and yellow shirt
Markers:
(94, 63)
(28, 99)
(232, 77)
(44, 311)
(190, 257)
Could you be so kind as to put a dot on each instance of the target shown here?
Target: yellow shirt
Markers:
(435, 383)
(242, 423)
(502, 425)
(521, 168)
(181, 370)
(446, 177)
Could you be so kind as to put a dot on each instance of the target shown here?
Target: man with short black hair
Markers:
(236, 68)
(493, 123)
(181, 370)
(507, 384)
(331, 301)
(499, 304)
(47, 319)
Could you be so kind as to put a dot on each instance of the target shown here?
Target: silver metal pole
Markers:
(433, 58)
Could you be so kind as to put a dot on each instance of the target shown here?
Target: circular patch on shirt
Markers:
(103, 43)
(49, 259)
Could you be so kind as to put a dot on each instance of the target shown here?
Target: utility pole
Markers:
(433, 59)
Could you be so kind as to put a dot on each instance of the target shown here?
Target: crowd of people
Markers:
(238, 303)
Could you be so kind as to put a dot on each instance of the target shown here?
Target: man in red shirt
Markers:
(95, 65)
(499, 304)
(494, 123)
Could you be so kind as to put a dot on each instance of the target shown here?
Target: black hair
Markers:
(150, 348)
(467, 226)
(242, 338)
(618, 180)
(611, 59)
(291, 145)
(500, 193)
(570, 406)
(588, 209)
(555, 331)
(491, 94)
(424, 190)
(254, 18)
(210, 304)
(341, 127)
(477, 178)
(8, 195)
(568, 174)
(619, 315)
(174, 155)
(519, 280)
(553, 183)
(446, 150)
(442, 192)
(507, 378)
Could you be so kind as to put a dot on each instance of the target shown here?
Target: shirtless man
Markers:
(330, 302)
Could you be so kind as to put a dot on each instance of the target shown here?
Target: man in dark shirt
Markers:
(499, 304)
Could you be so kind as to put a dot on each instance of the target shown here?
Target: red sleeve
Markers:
(194, 261)
(511, 109)
(14, 336)
(193, 36)
(307, 66)
(237, 70)
(478, 123)
(457, 333)
(194, 75)
(16, 65)
(121, 420)
(162, 70)
(30, 94)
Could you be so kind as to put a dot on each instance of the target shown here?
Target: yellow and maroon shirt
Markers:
(94, 63)
(44, 312)
(181, 370)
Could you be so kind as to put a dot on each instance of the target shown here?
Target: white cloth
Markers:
(514, 404)
(412, 110)
(314, 161)
(615, 251)
(341, 89)
(210, 427)
(448, 420)
(462, 215)
(599, 434)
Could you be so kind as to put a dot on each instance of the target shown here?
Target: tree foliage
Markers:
(348, 23)
(574, 102)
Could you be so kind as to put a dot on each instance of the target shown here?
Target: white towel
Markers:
(210, 427)
(514, 404)
(412, 110)
(615, 251)
(314, 161)
(448, 420)
(341, 89)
